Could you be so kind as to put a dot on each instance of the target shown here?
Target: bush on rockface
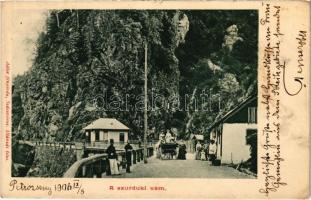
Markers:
(22, 158)
(51, 161)
(251, 163)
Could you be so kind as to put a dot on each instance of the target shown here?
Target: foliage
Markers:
(51, 162)
(17, 109)
(252, 162)
(85, 56)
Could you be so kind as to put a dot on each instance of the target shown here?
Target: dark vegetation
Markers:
(22, 159)
(51, 162)
(85, 54)
(40, 161)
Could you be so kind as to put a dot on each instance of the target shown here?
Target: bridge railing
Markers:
(72, 145)
(85, 167)
(96, 165)
(65, 145)
(149, 142)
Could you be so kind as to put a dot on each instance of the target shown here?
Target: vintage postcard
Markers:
(169, 99)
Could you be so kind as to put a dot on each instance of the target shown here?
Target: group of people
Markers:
(167, 137)
(113, 158)
(206, 151)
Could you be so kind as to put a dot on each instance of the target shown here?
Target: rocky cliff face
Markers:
(41, 161)
(89, 61)
(23, 157)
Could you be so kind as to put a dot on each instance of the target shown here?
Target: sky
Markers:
(26, 24)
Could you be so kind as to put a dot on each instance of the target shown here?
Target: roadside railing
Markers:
(87, 167)
(96, 165)
(97, 144)
(68, 145)
(149, 142)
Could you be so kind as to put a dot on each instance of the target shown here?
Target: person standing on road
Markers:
(112, 157)
(128, 155)
(182, 151)
(198, 149)
(205, 147)
(212, 151)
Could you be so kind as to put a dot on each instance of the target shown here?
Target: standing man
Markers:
(212, 151)
(128, 154)
(206, 149)
(112, 157)
(198, 149)
(182, 152)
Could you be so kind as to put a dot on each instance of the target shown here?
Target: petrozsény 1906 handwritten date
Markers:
(74, 186)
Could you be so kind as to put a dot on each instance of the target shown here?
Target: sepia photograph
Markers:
(135, 93)
(154, 100)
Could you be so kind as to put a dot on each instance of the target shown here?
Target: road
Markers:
(190, 168)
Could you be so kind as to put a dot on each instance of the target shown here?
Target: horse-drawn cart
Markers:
(168, 150)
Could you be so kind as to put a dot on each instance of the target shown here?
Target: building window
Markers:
(88, 136)
(96, 135)
(252, 115)
(106, 136)
(121, 137)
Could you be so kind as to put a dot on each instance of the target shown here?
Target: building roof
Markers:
(106, 124)
(196, 136)
(233, 111)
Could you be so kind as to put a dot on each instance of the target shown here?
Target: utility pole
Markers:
(146, 107)
(210, 99)
(219, 105)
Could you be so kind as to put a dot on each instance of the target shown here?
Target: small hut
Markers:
(104, 129)
(232, 131)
